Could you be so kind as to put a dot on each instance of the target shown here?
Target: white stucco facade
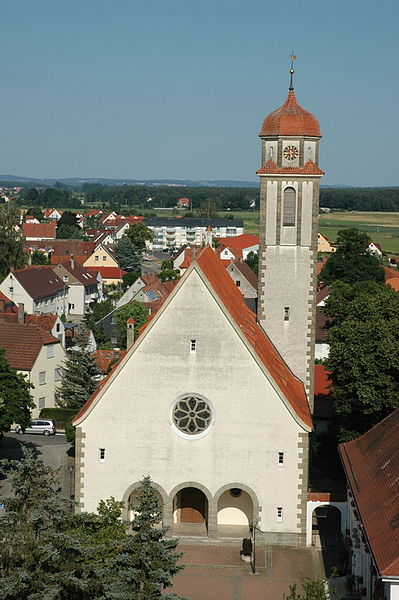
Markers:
(252, 422)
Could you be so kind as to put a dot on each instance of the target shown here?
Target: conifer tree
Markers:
(79, 376)
(12, 255)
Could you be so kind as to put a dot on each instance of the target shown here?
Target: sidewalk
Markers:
(218, 573)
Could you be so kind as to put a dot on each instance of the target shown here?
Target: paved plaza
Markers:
(218, 573)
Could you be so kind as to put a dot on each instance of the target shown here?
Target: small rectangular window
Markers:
(281, 458)
(50, 351)
(65, 278)
(42, 402)
(101, 455)
(96, 258)
(42, 377)
(57, 374)
(286, 313)
(279, 514)
(238, 283)
(193, 346)
(104, 258)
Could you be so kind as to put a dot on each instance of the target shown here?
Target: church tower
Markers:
(289, 208)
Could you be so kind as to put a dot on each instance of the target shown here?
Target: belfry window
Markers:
(289, 206)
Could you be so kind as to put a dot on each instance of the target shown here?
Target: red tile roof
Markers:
(321, 381)
(39, 282)
(371, 464)
(291, 387)
(66, 258)
(105, 358)
(290, 119)
(270, 168)
(239, 242)
(389, 273)
(23, 343)
(323, 294)
(394, 283)
(108, 272)
(39, 230)
(64, 247)
(46, 322)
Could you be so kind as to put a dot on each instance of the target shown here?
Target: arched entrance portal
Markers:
(326, 526)
(235, 511)
(190, 512)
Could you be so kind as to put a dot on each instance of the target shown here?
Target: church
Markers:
(213, 401)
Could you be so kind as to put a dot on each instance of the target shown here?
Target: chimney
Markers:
(21, 313)
(130, 332)
(72, 262)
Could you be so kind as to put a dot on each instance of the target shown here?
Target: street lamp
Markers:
(254, 523)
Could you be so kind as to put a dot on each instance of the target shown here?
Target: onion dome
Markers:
(290, 119)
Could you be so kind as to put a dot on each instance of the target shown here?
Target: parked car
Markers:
(42, 426)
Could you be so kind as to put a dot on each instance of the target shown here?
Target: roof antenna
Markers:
(292, 71)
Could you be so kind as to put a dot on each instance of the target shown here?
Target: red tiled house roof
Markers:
(108, 272)
(270, 168)
(371, 463)
(46, 322)
(105, 358)
(240, 242)
(290, 119)
(232, 300)
(23, 343)
(39, 230)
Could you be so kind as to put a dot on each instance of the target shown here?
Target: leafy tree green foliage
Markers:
(37, 212)
(15, 398)
(208, 209)
(68, 218)
(364, 358)
(352, 260)
(127, 255)
(98, 311)
(39, 258)
(139, 234)
(68, 232)
(167, 264)
(167, 196)
(78, 376)
(252, 261)
(168, 274)
(367, 199)
(50, 197)
(47, 553)
(313, 589)
(12, 254)
(129, 278)
(139, 313)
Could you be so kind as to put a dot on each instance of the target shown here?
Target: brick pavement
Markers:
(218, 573)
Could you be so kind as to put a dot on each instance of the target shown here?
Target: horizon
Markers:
(125, 91)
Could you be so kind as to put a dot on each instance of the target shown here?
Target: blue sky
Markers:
(179, 88)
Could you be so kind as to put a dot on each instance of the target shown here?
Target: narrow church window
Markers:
(279, 513)
(281, 459)
(193, 346)
(101, 455)
(286, 313)
(289, 205)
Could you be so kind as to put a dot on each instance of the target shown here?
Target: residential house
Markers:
(183, 203)
(132, 290)
(105, 359)
(85, 286)
(324, 244)
(371, 464)
(50, 323)
(30, 219)
(38, 288)
(39, 356)
(240, 246)
(53, 214)
(375, 249)
(175, 232)
(246, 281)
(108, 218)
(102, 256)
(39, 231)
(62, 250)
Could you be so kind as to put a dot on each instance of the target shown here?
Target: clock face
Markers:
(290, 152)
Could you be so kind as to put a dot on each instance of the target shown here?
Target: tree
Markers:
(68, 232)
(79, 374)
(138, 312)
(99, 310)
(352, 260)
(47, 553)
(37, 212)
(208, 209)
(12, 255)
(252, 261)
(127, 255)
(69, 218)
(363, 360)
(168, 274)
(139, 234)
(157, 561)
(39, 258)
(15, 398)
(313, 589)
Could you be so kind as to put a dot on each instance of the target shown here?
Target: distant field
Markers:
(382, 227)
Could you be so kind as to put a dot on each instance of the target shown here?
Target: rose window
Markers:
(192, 415)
